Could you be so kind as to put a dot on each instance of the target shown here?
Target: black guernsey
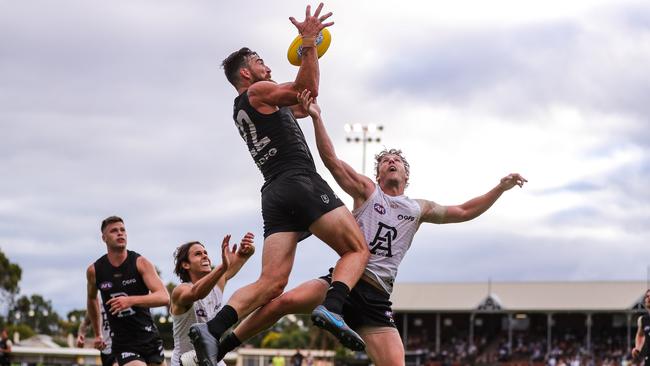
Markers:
(133, 326)
(275, 141)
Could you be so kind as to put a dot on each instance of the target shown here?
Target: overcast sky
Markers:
(120, 107)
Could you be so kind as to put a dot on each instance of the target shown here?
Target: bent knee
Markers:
(275, 291)
(272, 288)
(359, 247)
(358, 241)
(286, 301)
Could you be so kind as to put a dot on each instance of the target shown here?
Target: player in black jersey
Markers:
(129, 285)
(640, 350)
(296, 201)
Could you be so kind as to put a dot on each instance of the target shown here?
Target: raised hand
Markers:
(307, 103)
(246, 246)
(226, 253)
(312, 24)
(511, 180)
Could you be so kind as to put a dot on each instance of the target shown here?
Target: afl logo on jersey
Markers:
(106, 285)
(380, 209)
(201, 312)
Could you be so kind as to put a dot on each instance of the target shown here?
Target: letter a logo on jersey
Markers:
(383, 240)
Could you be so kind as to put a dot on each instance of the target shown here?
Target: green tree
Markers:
(76, 316)
(24, 330)
(294, 331)
(37, 313)
(70, 325)
(10, 275)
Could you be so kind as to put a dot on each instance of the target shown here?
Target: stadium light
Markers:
(368, 133)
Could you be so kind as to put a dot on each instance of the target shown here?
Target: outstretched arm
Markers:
(356, 185)
(431, 212)
(185, 294)
(308, 73)
(268, 93)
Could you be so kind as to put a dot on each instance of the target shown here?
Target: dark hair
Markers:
(234, 62)
(397, 152)
(182, 254)
(110, 220)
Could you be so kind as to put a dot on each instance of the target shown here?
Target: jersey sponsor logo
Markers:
(380, 209)
(261, 161)
(107, 285)
(325, 199)
(128, 282)
(383, 240)
(405, 217)
(125, 355)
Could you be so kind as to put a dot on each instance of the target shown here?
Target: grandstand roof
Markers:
(518, 296)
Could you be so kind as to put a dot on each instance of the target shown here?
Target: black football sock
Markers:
(227, 344)
(225, 318)
(336, 295)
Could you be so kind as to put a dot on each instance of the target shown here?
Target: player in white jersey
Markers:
(388, 220)
(198, 298)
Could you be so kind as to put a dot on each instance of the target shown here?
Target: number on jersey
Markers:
(249, 133)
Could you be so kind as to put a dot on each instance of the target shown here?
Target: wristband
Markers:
(308, 42)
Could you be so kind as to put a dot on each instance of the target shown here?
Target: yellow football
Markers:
(323, 41)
